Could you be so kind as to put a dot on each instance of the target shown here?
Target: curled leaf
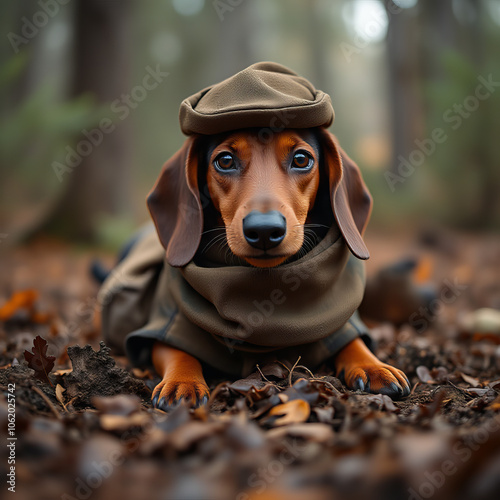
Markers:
(292, 412)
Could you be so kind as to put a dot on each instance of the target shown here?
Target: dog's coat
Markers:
(234, 316)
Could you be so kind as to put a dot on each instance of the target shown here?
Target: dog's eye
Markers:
(224, 161)
(302, 160)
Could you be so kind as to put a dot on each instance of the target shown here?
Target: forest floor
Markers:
(89, 431)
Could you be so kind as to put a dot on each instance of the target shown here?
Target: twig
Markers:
(47, 401)
(465, 393)
(263, 376)
(414, 388)
(307, 370)
(327, 384)
(284, 366)
(291, 371)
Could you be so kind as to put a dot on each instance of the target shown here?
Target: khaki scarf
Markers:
(289, 305)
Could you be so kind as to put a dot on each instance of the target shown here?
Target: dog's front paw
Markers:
(171, 391)
(377, 378)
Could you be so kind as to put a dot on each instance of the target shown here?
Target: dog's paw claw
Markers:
(169, 394)
(203, 401)
(162, 405)
(359, 384)
(394, 391)
(378, 379)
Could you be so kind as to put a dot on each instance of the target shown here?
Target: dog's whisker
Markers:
(311, 225)
(212, 242)
(217, 239)
(219, 228)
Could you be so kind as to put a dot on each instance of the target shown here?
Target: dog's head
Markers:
(264, 192)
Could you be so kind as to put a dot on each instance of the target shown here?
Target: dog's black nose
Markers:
(264, 230)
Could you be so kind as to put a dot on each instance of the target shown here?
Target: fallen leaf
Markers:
(477, 391)
(303, 389)
(246, 384)
(62, 371)
(59, 394)
(312, 431)
(194, 431)
(325, 415)
(274, 369)
(292, 412)
(39, 361)
(122, 423)
(19, 300)
(381, 401)
(470, 380)
(495, 405)
(141, 373)
(120, 404)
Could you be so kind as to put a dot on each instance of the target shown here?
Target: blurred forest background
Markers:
(83, 132)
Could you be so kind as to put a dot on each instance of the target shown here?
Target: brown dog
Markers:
(269, 202)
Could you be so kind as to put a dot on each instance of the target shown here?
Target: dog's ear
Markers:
(175, 206)
(350, 199)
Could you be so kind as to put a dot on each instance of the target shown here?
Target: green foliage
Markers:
(465, 167)
(34, 134)
(113, 232)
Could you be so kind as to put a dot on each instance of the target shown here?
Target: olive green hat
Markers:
(265, 94)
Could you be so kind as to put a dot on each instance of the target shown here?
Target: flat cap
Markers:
(265, 94)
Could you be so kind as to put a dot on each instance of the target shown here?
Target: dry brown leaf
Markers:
(141, 373)
(59, 394)
(311, 431)
(120, 404)
(194, 431)
(63, 371)
(470, 380)
(122, 423)
(292, 412)
(495, 405)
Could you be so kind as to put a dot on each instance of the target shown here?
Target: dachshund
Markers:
(272, 200)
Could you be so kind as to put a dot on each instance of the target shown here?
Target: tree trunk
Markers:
(402, 53)
(100, 184)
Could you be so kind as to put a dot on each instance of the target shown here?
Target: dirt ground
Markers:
(89, 431)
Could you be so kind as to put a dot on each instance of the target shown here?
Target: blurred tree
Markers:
(461, 49)
(404, 79)
(32, 134)
(98, 182)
